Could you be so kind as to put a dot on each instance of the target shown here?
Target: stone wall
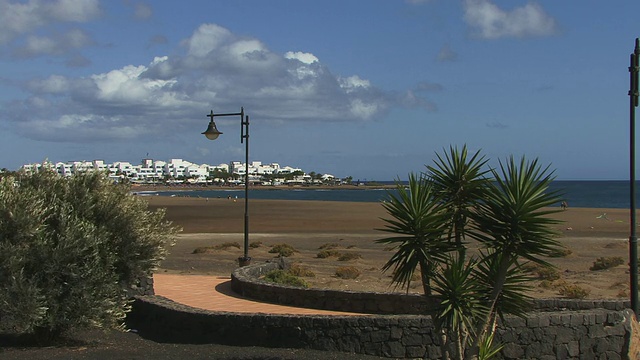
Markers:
(246, 282)
(555, 329)
(582, 334)
(142, 286)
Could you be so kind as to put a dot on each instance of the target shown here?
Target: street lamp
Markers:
(212, 133)
(634, 70)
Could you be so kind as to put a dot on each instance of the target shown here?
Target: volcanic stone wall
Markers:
(391, 325)
(584, 334)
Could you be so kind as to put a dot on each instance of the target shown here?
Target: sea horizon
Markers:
(577, 193)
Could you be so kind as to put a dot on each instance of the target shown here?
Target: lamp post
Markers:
(633, 239)
(212, 133)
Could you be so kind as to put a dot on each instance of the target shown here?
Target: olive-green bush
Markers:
(69, 249)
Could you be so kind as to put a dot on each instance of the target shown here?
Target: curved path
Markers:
(214, 293)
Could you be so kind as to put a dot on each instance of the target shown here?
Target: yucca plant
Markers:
(419, 222)
(460, 304)
(459, 182)
(512, 223)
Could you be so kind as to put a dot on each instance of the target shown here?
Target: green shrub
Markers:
(573, 291)
(255, 244)
(603, 263)
(69, 249)
(327, 253)
(349, 256)
(284, 250)
(285, 278)
(347, 272)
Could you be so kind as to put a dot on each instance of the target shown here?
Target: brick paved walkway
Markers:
(214, 293)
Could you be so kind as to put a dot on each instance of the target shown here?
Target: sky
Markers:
(370, 89)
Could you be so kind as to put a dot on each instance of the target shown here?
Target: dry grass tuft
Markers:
(349, 256)
(348, 272)
(208, 249)
(284, 250)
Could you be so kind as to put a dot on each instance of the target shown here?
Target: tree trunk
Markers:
(425, 271)
(483, 326)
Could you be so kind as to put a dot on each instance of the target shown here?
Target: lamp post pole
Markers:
(633, 239)
(212, 133)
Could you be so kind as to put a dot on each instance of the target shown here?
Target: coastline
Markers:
(161, 188)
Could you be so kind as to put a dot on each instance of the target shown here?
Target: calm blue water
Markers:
(595, 194)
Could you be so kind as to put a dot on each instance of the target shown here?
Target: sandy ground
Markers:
(351, 228)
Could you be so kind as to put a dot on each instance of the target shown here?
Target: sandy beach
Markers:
(351, 228)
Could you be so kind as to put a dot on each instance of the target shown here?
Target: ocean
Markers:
(593, 194)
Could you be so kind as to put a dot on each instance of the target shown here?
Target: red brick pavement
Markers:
(215, 293)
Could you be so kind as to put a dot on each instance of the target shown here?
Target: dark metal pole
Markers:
(633, 239)
(244, 134)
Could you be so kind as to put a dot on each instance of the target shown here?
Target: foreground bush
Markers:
(69, 248)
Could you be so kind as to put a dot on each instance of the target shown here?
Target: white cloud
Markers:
(53, 45)
(207, 38)
(217, 69)
(19, 18)
(305, 58)
(490, 22)
(353, 83)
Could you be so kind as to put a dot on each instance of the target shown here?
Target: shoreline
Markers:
(161, 188)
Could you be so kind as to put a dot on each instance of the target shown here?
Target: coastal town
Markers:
(179, 171)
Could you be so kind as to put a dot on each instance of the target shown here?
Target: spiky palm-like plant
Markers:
(513, 224)
(459, 183)
(507, 215)
(419, 223)
(459, 299)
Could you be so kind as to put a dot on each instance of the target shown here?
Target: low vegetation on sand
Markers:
(603, 263)
(284, 277)
(284, 250)
(223, 246)
(348, 272)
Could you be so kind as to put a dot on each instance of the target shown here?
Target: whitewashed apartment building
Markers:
(174, 170)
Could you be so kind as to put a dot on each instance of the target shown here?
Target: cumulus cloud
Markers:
(488, 21)
(57, 44)
(24, 17)
(216, 68)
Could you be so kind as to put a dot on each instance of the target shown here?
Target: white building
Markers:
(178, 170)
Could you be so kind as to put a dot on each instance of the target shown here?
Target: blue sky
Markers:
(370, 89)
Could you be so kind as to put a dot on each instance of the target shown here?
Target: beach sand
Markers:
(351, 227)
